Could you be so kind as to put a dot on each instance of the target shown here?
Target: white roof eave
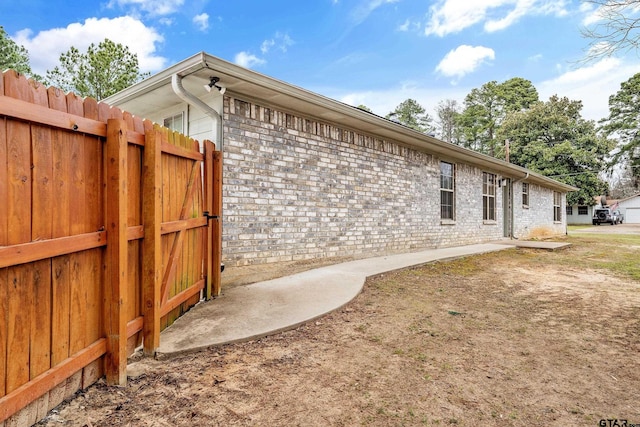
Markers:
(244, 83)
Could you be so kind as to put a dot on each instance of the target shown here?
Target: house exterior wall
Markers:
(576, 219)
(297, 189)
(536, 219)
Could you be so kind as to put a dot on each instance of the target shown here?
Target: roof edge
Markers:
(385, 128)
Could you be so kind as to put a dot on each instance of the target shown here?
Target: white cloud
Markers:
(463, 60)
(365, 8)
(248, 60)
(267, 45)
(452, 16)
(592, 85)
(46, 47)
(409, 25)
(535, 58)
(280, 41)
(592, 15)
(201, 21)
(151, 7)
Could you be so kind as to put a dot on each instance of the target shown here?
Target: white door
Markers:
(632, 216)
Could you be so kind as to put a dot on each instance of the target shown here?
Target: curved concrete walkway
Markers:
(248, 312)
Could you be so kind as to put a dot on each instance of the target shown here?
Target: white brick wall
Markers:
(297, 189)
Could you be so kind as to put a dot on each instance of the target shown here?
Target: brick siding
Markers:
(297, 188)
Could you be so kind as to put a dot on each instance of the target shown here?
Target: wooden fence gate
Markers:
(109, 231)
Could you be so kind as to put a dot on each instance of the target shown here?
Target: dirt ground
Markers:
(513, 338)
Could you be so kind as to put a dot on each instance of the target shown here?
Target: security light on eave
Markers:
(213, 82)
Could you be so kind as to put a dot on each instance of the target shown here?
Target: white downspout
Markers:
(513, 204)
(189, 98)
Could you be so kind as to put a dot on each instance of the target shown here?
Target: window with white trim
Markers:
(525, 194)
(447, 191)
(488, 196)
(175, 122)
(557, 206)
(583, 210)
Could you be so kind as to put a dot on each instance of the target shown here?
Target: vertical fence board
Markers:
(116, 283)
(174, 184)
(196, 234)
(183, 271)
(152, 245)
(95, 221)
(79, 260)
(78, 216)
(4, 235)
(19, 231)
(41, 228)
(167, 176)
(61, 227)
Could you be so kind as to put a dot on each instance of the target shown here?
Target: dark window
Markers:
(488, 196)
(525, 194)
(583, 210)
(569, 210)
(447, 191)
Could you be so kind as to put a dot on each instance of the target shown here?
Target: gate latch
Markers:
(209, 217)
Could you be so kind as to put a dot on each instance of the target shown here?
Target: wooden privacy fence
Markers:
(104, 240)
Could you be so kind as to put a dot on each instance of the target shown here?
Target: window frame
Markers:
(557, 206)
(489, 210)
(174, 118)
(583, 210)
(448, 191)
(525, 194)
(569, 210)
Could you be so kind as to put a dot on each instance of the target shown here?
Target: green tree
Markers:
(623, 124)
(448, 113)
(553, 139)
(413, 115)
(14, 56)
(100, 72)
(364, 108)
(615, 30)
(485, 109)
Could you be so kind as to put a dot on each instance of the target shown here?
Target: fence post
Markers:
(116, 253)
(208, 207)
(151, 245)
(217, 223)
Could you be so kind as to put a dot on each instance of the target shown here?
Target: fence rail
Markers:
(103, 241)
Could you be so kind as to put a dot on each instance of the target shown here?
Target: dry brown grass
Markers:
(514, 338)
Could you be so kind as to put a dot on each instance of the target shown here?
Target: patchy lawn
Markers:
(514, 338)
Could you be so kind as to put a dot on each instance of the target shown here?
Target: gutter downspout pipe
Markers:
(191, 99)
(513, 202)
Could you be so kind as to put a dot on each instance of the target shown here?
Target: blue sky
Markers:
(372, 52)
